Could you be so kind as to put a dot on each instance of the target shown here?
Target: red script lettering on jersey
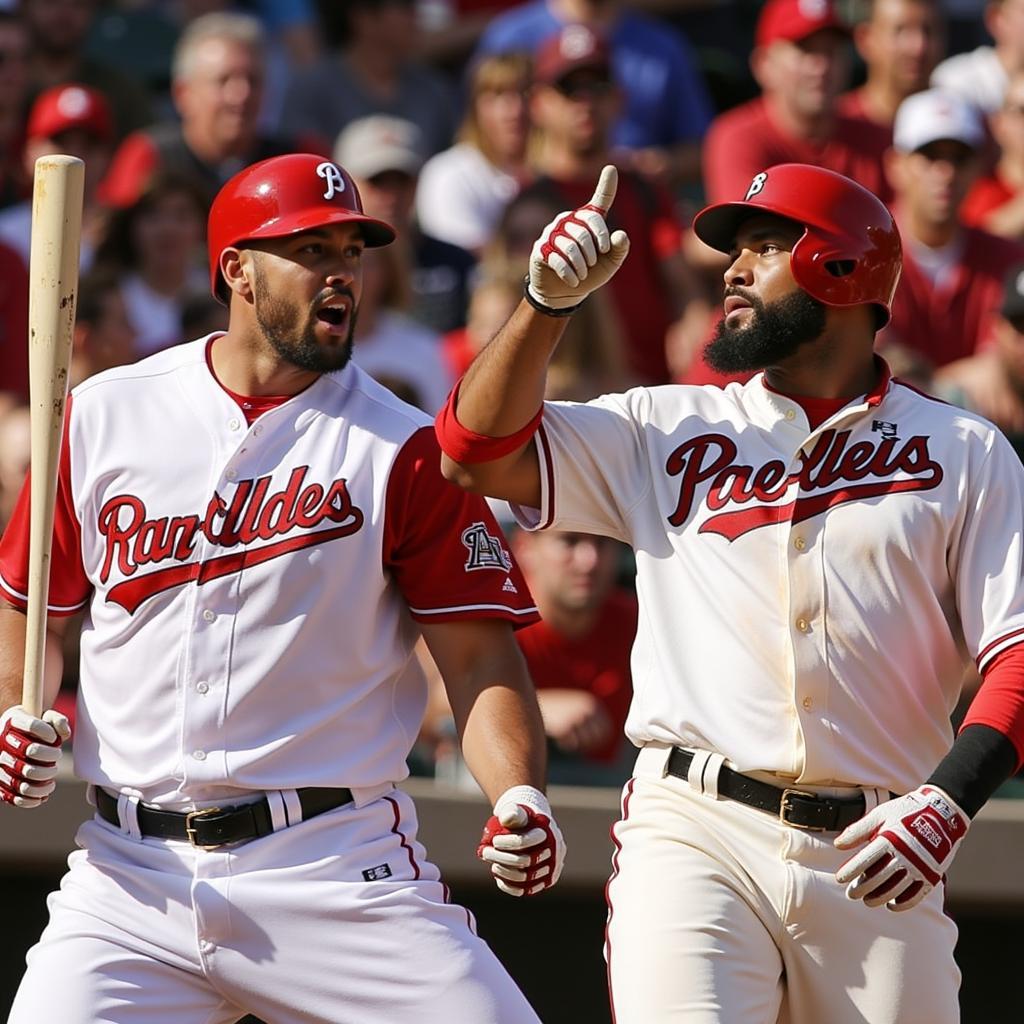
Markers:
(832, 460)
(133, 540)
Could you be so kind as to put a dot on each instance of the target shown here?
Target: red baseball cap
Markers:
(70, 106)
(794, 20)
(574, 48)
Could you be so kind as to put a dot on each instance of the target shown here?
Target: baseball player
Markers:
(258, 534)
(815, 551)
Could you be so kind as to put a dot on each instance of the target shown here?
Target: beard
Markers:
(774, 333)
(281, 323)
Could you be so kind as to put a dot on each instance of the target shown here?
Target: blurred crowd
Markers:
(468, 124)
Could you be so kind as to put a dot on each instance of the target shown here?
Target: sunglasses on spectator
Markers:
(578, 88)
(959, 155)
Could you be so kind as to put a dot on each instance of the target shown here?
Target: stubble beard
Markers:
(774, 333)
(279, 321)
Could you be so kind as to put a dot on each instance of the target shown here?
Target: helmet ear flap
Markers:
(825, 269)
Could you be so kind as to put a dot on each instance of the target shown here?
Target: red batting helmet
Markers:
(283, 196)
(850, 250)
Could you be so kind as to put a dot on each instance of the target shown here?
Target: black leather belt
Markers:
(212, 827)
(792, 806)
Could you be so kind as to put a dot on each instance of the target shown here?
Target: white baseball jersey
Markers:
(252, 593)
(807, 597)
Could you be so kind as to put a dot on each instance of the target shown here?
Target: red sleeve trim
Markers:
(999, 703)
(548, 469)
(995, 643)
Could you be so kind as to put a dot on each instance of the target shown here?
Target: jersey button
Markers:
(790, 414)
(803, 625)
(202, 687)
(799, 543)
(209, 616)
(257, 430)
(199, 755)
(807, 703)
(231, 473)
(234, 424)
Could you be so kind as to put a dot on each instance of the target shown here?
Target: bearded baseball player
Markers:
(258, 534)
(815, 551)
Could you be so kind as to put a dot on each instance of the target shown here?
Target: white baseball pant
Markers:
(285, 927)
(719, 913)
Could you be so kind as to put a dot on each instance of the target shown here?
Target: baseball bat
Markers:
(52, 297)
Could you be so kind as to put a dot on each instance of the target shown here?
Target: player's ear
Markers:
(237, 270)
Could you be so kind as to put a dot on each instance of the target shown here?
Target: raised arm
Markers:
(487, 427)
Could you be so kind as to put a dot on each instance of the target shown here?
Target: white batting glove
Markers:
(29, 752)
(522, 843)
(575, 254)
(912, 842)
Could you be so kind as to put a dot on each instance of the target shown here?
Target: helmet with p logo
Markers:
(849, 253)
(283, 196)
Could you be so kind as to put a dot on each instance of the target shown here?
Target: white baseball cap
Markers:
(926, 117)
(377, 143)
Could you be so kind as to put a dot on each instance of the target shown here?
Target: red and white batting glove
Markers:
(522, 843)
(29, 752)
(912, 842)
(575, 253)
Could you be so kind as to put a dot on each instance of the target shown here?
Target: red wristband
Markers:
(462, 445)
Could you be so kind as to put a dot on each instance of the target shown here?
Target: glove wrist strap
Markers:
(528, 795)
(541, 308)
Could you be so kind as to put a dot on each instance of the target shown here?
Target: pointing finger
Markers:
(604, 194)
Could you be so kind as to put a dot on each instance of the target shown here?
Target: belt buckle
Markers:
(191, 832)
(785, 806)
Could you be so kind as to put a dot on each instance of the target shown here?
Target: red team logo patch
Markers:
(253, 514)
(831, 474)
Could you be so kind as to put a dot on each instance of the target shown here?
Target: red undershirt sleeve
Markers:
(999, 702)
(69, 586)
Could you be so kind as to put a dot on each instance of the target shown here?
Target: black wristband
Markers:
(978, 763)
(541, 308)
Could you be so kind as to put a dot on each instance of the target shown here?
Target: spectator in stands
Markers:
(952, 275)
(384, 156)
(996, 200)
(58, 31)
(578, 655)
(992, 382)
(900, 42)
(375, 72)
(981, 76)
(217, 89)
(13, 325)
(665, 110)
(103, 336)
(73, 119)
(156, 246)
(801, 63)
(463, 190)
(574, 104)
(13, 90)
(389, 344)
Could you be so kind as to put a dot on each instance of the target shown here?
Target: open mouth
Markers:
(335, 317)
